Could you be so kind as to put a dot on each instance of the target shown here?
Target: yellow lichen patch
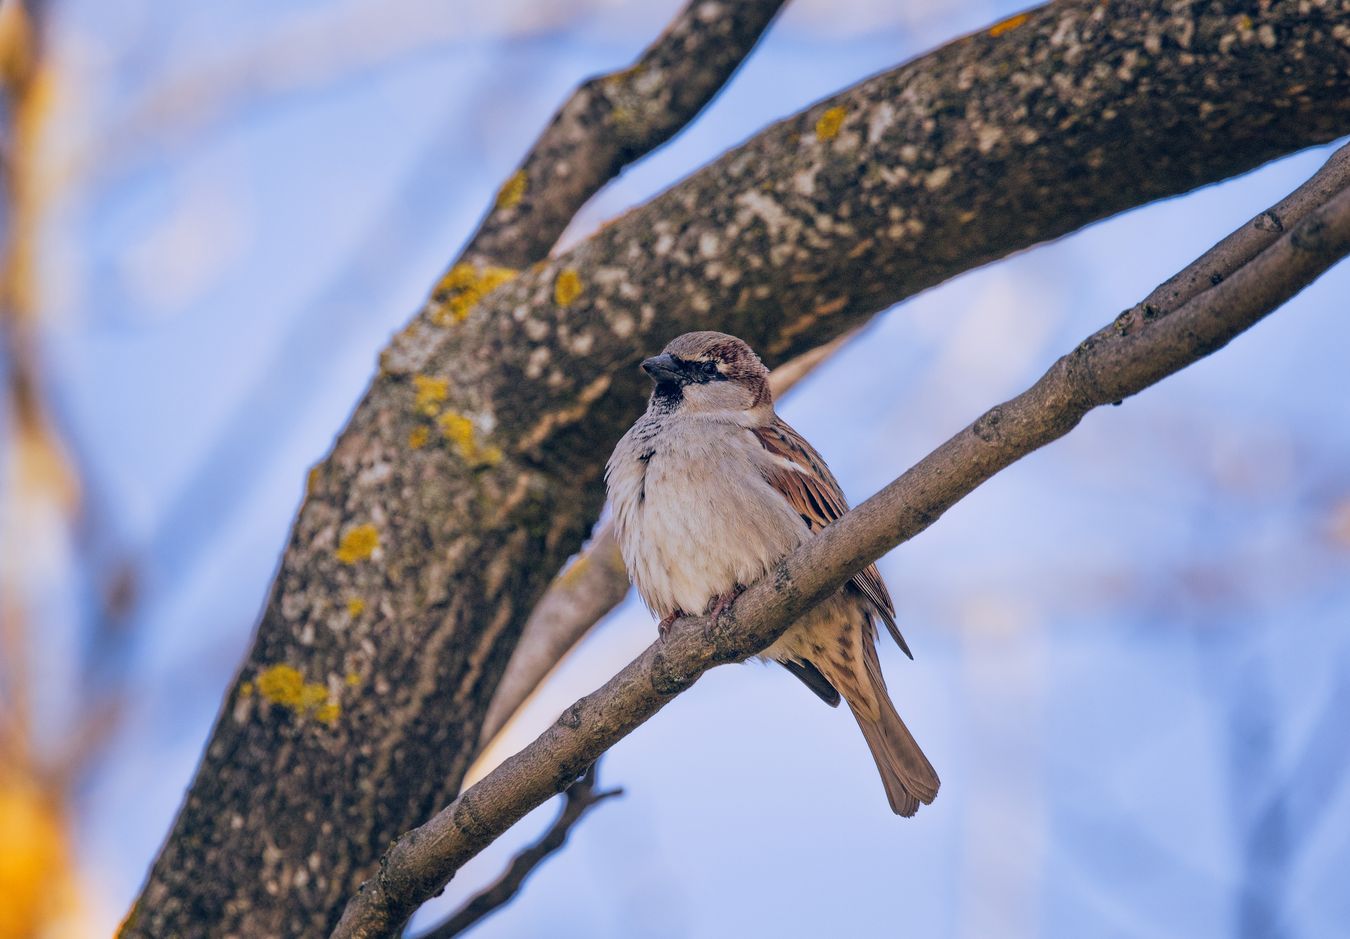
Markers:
(417, 437)
(489, 456)
(512, 191)
(312, 480)
(827, 128)
(623, 75)
(356, 606)
(458, 430)
(358, 544)
(353, 679)
(462, 287)
(328, 713)
(1008, 25)
(281, 684)
(429, 394)
(567, 287)
(245, 689)
(285, 685)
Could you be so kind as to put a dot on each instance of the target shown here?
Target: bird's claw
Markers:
(663, 627)
(722, 601)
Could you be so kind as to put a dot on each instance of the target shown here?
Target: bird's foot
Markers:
(663, 627)
(723, 600)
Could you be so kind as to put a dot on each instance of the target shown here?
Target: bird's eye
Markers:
(708, 369)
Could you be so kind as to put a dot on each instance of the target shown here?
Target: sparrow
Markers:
(709, 489)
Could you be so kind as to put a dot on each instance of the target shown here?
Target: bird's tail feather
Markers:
(905, 772)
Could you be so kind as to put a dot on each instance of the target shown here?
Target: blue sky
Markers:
(1127, 645)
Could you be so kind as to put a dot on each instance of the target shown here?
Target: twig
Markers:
(1142, 346)
(579, 799)
(591, 586)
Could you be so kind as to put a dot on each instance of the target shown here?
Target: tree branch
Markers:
(578, 800)
(613, 120)
(472, 468)
(1142, 346)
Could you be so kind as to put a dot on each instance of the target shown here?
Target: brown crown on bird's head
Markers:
(693, 366)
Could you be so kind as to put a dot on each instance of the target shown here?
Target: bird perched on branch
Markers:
(710, 489)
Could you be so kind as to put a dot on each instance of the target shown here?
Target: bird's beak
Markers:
(663, 369)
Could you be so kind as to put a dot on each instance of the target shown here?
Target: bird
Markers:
(708, 490)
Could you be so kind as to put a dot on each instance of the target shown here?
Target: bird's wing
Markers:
(812, 678)
(802, 478)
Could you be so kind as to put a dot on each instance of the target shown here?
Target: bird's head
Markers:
(707, 372)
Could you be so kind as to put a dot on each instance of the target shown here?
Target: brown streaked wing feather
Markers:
(814, 494)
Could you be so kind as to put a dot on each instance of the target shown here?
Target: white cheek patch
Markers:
(718, 396)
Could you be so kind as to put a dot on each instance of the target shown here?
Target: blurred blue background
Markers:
(1132, 657)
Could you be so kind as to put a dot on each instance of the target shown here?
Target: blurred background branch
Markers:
(578, 799)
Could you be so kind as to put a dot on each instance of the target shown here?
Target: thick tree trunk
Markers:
(472, 468)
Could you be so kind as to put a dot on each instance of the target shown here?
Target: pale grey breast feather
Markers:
(693, 512)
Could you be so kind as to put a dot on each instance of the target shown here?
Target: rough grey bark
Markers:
(471, 469)
(1141, 347)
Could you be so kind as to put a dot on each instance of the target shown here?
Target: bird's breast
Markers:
(695, 517)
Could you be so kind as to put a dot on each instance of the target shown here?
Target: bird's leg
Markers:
(663, 627)
(722, 601)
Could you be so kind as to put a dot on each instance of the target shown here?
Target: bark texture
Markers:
(1256, 272)
(472, 468)
(613, 120)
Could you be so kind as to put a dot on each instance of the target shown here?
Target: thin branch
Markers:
(613, 120)
(1142, 346)
(589, 588)
(579, 799)
(586, 591)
